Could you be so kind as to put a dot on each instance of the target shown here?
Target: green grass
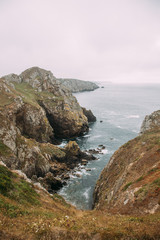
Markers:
(4, 150)
(27, 92)
(11, 210)
(61, 199)
(157, 182)
(5, 99)
(140, 179)
(141, 193)
(127, 186)
(6, 184)
(32, 96)
(17, 189)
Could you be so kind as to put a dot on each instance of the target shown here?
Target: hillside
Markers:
(27, 212)
(130, 183)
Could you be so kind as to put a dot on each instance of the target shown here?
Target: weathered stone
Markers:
(151, 122)
(89, 115)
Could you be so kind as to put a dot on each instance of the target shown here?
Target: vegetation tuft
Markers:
(18, 190)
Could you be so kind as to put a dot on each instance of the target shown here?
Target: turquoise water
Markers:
(122, 109)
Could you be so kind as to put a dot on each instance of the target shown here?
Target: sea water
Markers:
(120, 110)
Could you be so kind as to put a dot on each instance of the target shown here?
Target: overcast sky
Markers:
(107, 40)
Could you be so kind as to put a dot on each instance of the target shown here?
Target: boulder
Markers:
(89, 115)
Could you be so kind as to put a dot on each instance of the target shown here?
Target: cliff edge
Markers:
(35, 110)
(75, 85)
(130, 183)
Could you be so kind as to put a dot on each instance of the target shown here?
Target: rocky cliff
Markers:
(35, 110)
(150, 122)
(40, 88)
(130, 183)
(75, 85)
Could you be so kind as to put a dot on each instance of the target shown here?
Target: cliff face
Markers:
(40, 89)
(34, 111)
(75, 85)
(150, 122)
(130, 183)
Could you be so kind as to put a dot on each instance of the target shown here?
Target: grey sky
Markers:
(112, 40)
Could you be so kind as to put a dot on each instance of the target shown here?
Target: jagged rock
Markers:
(41, 89)
(84, 162)
(13, 78)
(52, 183)
(32, 106)
(151, 122)
(32, 122)
(72, 149)
(89, 115)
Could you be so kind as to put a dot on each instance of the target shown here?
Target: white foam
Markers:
(62, 144)
(97, 136)
(104, 151)
(133, 116)
(86, 193)
(119, 126)
(88, 135)
(135, 131)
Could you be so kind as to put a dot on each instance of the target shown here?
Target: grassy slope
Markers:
(28, 94)
(26, 214)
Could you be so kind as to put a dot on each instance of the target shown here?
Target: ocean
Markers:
(120, 110)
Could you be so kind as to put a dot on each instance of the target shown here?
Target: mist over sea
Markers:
(121, 108)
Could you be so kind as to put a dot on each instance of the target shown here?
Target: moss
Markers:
(4, 150)
(126, 186)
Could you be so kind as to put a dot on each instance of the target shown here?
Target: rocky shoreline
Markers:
(36, 112)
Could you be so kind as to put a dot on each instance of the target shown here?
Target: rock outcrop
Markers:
(56, 105)
(75, 85)
(90, 116)
(35, 110)
(150, 122)
(130, 183)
